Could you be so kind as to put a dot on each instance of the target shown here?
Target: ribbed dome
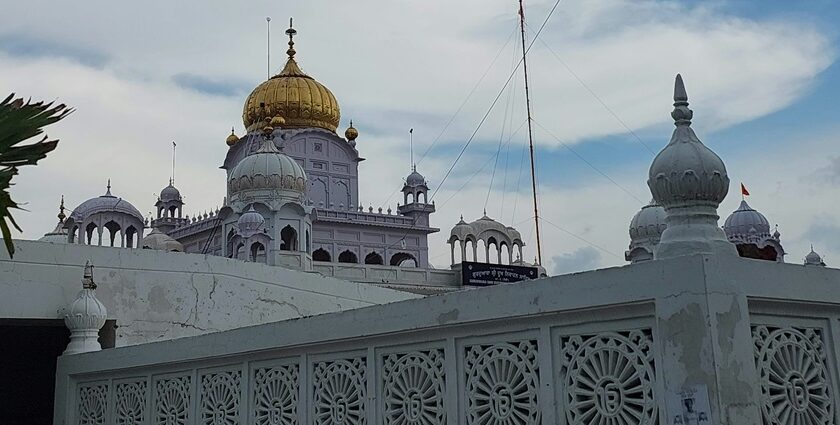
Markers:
(814, 259)
(250, 223)
(170, 193)
(298, 98)
(267, 168)
(461, 231)
(648, 223)
(415, 179)
(745, 223)
(104, 203)
(162, 242)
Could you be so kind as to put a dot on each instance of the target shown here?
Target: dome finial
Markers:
(291, 33)
(681, 114)
(108, 191)
(61, 215)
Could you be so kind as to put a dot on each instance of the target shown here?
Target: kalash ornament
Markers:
(690, 182)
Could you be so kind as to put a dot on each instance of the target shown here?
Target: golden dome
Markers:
(277, 121)
(232, 139)
(294, 96)
(351, 133)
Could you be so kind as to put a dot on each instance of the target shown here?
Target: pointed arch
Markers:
(288, 238)
(374, 258)
(403, 259)
(348, 256)
(321, 254)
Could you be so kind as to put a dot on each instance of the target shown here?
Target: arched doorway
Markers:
(288, 236)
(257, 252)
(374, 258)
(348, 257)
(321, 254)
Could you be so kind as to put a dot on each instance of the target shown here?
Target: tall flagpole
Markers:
(268, 46)
(172, 180)
(411, 148)
(530, 132)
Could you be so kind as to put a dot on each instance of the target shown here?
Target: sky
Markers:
(762, 78)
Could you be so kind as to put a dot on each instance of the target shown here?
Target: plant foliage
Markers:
(20, 121)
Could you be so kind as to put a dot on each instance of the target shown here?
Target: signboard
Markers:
(484, 274)
(689, 406)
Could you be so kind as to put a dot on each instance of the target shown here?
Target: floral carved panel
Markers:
(276, 395)
(340, 392)
(172, 401)
(502, 383)
(608, 378)
(220, 394)
(93, 403)
(414, 388)
(130, 402)
(793, 376)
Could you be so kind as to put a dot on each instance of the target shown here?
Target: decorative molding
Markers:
(502, 383)
(340, 392)
(413, 388)
(608, 378)
(793, 376)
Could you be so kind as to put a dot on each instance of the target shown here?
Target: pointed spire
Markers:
(291, 33)
(61, 215)
(108, 191)
(681, 114)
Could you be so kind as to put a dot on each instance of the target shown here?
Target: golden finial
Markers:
(267, 130)
(61, 215)
(291, 33)
(232, 139)
(277, 121)
(351, 133)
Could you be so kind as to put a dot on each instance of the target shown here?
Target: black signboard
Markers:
(484, 274)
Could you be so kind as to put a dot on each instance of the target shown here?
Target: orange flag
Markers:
(744, 190)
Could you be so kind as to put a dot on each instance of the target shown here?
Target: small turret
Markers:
(85, 317)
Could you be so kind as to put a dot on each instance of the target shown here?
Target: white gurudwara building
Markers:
(292, 304)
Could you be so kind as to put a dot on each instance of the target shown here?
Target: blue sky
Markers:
(762, 78)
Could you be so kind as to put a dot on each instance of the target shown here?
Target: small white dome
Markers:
(162, 242)
(415, 179)
(84, 317)
(814, 259)
(745, 224)
(648, 223)
(267, 168)
(249, 224)
(460, 231)
(170, 193)
(104, 203)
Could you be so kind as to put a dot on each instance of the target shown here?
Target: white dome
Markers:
(267, 168)
(104, 203)
(162, 242)
(58, 235)
(461, 231)
(746, 225)
(648, 223)
(170, 193)
(249, 224)
(814, 259)
(415, 179)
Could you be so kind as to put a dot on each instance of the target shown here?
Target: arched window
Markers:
(321, 254)
(421, 197)
(403, 259)
(409, 198)
(73, 234)
(470, 249)
(240, 252)
(257, 252)
(374, 258)
(113, 232)
(172, 211)
(130, 237)
(89, 231)
(348, 257)
(288, 236)
(308, 248)
(504, 254)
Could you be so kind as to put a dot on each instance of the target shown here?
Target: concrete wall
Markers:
(157, 295)
(742, 339)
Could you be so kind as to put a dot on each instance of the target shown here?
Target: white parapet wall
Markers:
(691, 340)
(155, 295)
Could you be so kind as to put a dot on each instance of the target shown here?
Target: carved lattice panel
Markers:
(414, 388)
(340, 391)
(93, 403)
(172, 401)
(276, 395)
(220, 394)
(793, 376)
(130, 402)
(502, 384)
(608, 378)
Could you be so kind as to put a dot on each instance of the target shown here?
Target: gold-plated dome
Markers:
(232, 139)
(351, 133)
(293, 95)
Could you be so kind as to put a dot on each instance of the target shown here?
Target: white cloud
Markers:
(390, 73)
